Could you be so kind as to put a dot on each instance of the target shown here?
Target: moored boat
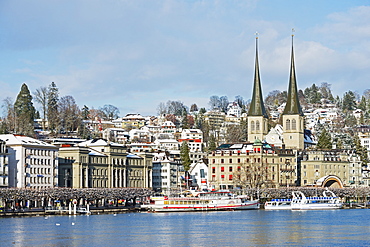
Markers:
(328, 201)
(201, 201)
(278, 204)
(300, 202)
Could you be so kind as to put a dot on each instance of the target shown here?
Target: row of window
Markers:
(38, 170)
(40, 152)
(223, 177)
(40, 180)
(33, 161)
(290, 125)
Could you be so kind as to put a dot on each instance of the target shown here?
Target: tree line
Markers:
(59, 115)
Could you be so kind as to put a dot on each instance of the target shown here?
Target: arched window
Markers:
(252, 126)
(257, 125)
(294, 124)
(287, 123)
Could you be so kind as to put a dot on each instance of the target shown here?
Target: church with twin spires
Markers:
(292, 117)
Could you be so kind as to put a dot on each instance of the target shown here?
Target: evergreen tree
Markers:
(324, 141)
(361, 151)
(212, 143)
(85, 112)
(185, 120)
(24, 112)
(184, 155)
(362, 104)
(53, 100)
(349, 101)
(84, 132)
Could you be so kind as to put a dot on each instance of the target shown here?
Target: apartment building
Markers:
(31, 163)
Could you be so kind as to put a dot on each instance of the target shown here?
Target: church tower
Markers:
(257, 115)
(293, 118)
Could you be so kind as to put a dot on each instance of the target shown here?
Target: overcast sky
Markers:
(135, 54)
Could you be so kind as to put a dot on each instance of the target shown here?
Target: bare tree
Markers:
(9, 114)
(175, 107)
(110, 112)
(214, 102)
(224, 102)
(69, 113)
(236, 133)
(161, 109)
(41, 97)
(252, 175)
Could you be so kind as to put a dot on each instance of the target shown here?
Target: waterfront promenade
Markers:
(28, 202)
(19, 202)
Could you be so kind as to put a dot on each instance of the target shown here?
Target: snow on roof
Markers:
(98, 142)
(133, 156)
(11, 139)
(96, 153)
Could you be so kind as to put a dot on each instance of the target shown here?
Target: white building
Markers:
(233, 109)
(166, 172)
(139, 135)
(32, 163)
(198, 173)
(168, 128)
(194, 138)
(166, 144)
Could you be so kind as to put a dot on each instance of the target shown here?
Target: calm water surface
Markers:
(239, 228)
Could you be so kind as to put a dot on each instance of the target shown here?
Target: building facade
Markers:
(101, 164)
(166, 172)
(31, 163)
(244, 165)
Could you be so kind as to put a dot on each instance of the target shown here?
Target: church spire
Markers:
(292, 106)
(257, 107)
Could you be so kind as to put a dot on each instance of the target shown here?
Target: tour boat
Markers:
(201, 201)
(278, 204)
(328, 201)
(300, 202)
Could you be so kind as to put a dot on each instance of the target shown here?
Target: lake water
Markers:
(346, 227)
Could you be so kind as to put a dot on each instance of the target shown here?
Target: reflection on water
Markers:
(239, 228)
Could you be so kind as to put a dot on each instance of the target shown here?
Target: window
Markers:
(230, 160)
(287, 123)
(222, 169)
(252, 126)
(222, 177)
(202, 175)
(239, 168)
(230, 177)
(257, 125)
(238, 160)
(230, 168)
(294, 124)
(213, 177)
(222, 161)
(213, 169)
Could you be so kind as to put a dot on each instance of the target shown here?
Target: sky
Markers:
(135, 54)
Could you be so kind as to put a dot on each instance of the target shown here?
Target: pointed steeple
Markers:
(292, 106)
(257, 107)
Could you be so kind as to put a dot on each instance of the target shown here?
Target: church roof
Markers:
(292, 106)
(257, 107)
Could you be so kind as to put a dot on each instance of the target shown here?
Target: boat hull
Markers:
(192, 208)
